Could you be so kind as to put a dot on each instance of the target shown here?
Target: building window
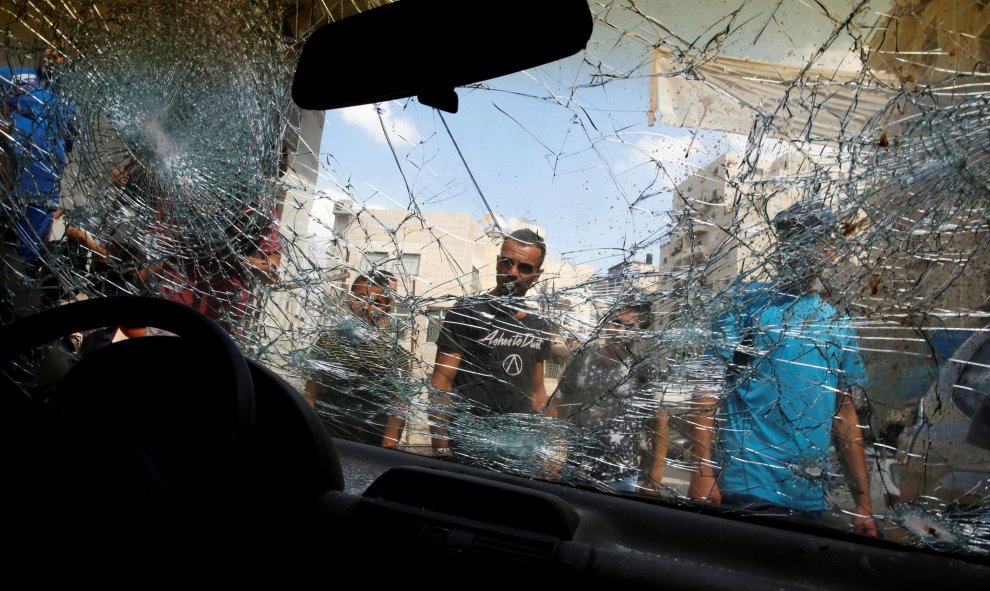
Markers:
(375, 260)
(407, 264)
(410, 264)
(475, 279)
(434, 318)
(551, 371)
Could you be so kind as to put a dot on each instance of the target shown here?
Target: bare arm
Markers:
(263, 265)
(704, 486)
(86, 239)
(554, 408)
(538, 393)
(145, 274)
(82, 237)
(847, 436)
(444, 371)
(393, 430)
(661, 441)
(310, 393)
(396, 421)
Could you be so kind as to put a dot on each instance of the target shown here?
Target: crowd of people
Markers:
(39, 131)
(787, 357)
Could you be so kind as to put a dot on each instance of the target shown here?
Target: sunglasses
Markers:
(625, 325)
(524, 268)
(374, 301)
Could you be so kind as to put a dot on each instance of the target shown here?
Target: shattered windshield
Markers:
(732, 253)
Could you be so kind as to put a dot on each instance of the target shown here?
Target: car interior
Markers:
(186, 452)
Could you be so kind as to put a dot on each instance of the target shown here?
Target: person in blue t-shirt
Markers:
(38, 132)
(790, 363)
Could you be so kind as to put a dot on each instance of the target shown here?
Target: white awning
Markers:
(801, 104)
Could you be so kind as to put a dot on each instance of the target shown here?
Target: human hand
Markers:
(449, 457)
(704, 488)
(863, 522)
(443, 453)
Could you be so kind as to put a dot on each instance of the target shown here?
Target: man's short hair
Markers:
(527, 237)
(376, 277)
(801, 223)
(636, 303)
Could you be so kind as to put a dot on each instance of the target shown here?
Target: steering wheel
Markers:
(202, 342)
(147, 441)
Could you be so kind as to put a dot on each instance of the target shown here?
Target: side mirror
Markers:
(427, 48)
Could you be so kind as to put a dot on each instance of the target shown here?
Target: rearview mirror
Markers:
(426, 48)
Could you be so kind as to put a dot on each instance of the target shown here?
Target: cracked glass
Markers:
(732, 253)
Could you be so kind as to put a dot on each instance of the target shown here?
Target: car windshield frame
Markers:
(722, 260)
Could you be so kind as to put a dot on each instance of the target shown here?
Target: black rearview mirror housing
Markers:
(427, 48)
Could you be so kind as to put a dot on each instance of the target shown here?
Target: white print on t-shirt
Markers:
(513, 365)
(24, 78)
(496, 339)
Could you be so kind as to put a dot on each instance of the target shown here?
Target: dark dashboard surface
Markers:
(657, 543)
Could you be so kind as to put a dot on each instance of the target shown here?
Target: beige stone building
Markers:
(719, 224)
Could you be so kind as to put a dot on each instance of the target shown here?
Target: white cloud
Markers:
(680, 154)
(366, 117)
(673, 150)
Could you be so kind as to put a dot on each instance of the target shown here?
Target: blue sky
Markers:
(580, 166)
(557, 146)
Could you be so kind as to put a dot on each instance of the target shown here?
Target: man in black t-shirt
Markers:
(491, 349)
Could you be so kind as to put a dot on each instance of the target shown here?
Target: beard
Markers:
(513, 288)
